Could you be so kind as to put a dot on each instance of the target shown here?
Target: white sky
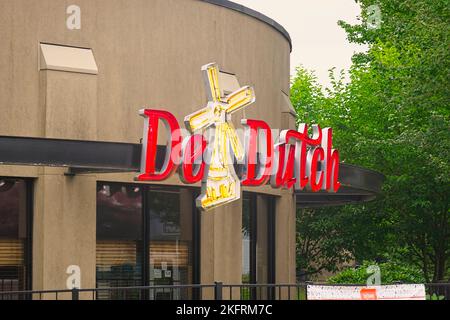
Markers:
(318, 42)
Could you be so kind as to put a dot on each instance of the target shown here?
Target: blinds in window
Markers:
(12, 265)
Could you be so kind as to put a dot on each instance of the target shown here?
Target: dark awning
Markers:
(357, 185)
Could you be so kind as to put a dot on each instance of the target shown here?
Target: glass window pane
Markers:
(246, 238)
(262, 262)
(13, 234)
(256, 236)
(170, 213)
(119, 237)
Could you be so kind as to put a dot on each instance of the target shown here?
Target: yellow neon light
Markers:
(213, 79)
(221, 185)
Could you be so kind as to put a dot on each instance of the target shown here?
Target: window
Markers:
(145, 236)
(248, 238)
(258, 242)
(15, 234)
(119, 236)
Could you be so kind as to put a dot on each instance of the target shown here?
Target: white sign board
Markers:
(389, 292)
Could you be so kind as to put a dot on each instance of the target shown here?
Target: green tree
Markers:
(393, 116)
(390, 273)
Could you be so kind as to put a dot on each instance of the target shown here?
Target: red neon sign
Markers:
(296, 160)
(150, 145)
(252, 178)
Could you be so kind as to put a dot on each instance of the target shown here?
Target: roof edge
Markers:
(254, 14)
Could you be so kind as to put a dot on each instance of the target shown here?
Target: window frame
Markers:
(271, 235)
(145, 229)
(28, 244)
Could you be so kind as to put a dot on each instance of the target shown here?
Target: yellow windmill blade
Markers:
(240, 99)
(211, 77)
(200, 119)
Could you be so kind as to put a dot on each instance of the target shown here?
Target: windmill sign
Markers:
(208, 153)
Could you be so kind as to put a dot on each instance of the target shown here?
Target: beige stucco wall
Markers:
(149, 54)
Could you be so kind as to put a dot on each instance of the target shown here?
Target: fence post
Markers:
(75, 294)
(307, 283)
(218, 290)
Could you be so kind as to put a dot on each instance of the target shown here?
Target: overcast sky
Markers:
(318, 42)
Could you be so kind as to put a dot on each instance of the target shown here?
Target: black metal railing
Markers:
(216, 291)
(263, 291)
(9, 285)
(438, 291)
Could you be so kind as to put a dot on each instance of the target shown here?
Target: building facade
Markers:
(82, 72)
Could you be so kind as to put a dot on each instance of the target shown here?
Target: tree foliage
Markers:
(390, 272)
(393, 117)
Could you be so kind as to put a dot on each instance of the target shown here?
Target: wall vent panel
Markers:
(69, 59)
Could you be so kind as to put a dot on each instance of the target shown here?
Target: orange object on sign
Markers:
(368, 294)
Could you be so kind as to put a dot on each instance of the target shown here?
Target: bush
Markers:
(390, 274)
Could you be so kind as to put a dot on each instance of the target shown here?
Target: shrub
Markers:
(391, 273)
